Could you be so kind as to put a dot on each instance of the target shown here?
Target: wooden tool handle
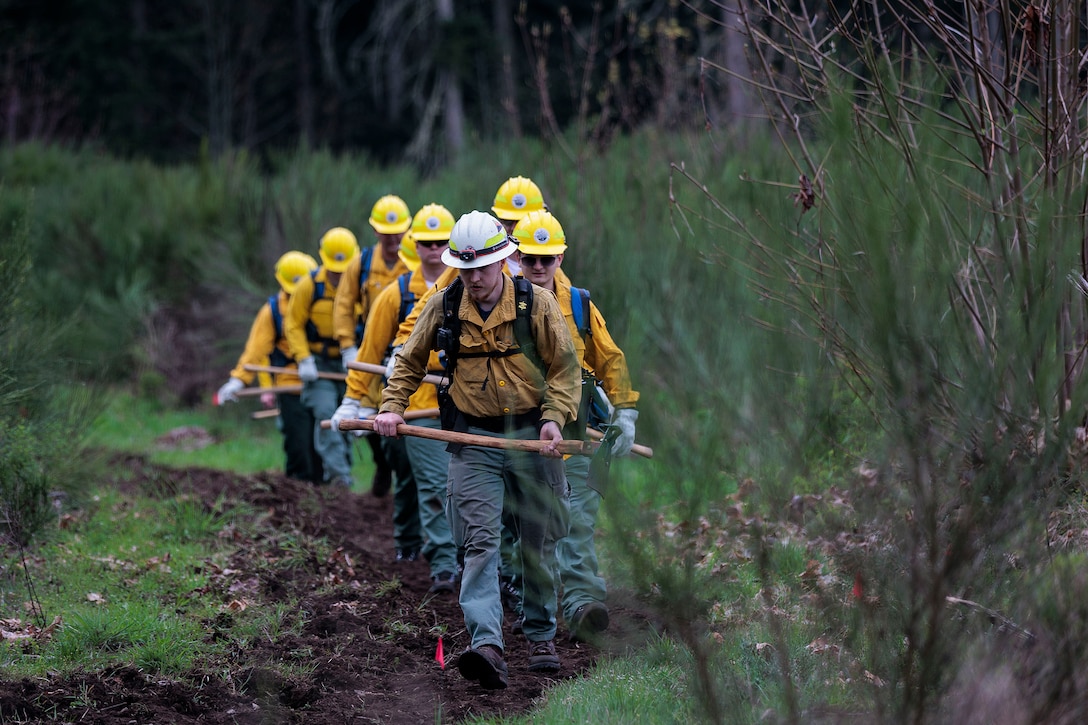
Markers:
(644, 451)
(380, 370)
(574, 448)
(291, 371)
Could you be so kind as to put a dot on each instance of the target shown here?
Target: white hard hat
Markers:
(477, 240)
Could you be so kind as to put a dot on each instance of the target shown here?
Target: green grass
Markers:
(236, 442)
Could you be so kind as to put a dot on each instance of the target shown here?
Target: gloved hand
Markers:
(348, 410)
(624, 419)
(307, 369)
(348, 354)
(392, 361)
(229, 391)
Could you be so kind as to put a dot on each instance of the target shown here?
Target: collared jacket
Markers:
(308, 322)
(381, 329)
(353, 300)
(266, 345)
(598, 353)
(496, 386)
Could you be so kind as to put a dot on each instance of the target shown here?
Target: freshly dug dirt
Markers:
(365, 654)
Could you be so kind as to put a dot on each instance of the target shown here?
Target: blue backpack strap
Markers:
(364, 265)
(579, 306)
(407, 297)
(277, 358)
(277, 315)
(319, 293)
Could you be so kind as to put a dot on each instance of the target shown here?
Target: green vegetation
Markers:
(867, 415)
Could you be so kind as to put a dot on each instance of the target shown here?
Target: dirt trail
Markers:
(365, 654)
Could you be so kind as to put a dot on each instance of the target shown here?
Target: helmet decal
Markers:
(433, 223)
(519, 201)
(391, 216)
(541, 235)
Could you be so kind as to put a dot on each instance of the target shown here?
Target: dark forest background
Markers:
(402, 81)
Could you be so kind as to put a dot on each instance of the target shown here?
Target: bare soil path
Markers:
(366, 653)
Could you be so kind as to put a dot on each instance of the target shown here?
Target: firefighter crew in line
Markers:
(364, 279)
(420, 464)
(541, 245)
(309, 331)
(267, 345)
(496, 390)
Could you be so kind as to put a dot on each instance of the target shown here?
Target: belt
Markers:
(503, 423)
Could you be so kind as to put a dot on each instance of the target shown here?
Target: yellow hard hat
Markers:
(408, 252)
(517, 197)
(292, 267)
(478, 239)
(432, 223)
(539, 233)
(390, 215)
(338, 247)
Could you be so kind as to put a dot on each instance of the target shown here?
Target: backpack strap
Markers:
(366, 256)
(277, 358)
(407, 297)
(579, 305)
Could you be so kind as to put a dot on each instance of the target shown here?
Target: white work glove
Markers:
(229, 391)
(348, 410)
(348, 354)
(392, 362)
(624, 419)
(307, 369)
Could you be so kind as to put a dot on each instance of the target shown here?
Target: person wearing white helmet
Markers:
(267, 345)
(374, 269)
(542, 244)
(420, 526)
(309, 331)
(499, 383)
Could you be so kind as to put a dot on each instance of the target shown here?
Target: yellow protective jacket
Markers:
(308, 322)
(353, 299)
(381, 329)
(598, 353)
(496, 386)
(262, 345)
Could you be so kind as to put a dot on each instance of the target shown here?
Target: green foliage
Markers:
(40, 417)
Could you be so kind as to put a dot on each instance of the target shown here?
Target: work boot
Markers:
(407, 554)
(444, 582)
(588, 622)
(511, 597)
(485, 664)
(542, 656)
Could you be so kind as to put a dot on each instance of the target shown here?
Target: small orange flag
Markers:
(439, 655)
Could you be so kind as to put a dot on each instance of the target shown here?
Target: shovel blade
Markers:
(600, 465)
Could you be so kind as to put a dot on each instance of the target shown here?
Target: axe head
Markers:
(601, 464)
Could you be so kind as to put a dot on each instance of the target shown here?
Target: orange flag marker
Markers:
(439, 655)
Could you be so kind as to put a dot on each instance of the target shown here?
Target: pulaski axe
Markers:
(566, 447)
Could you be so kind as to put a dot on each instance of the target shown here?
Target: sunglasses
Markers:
(530, 260)
(432, 243)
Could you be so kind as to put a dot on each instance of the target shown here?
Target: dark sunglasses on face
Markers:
(432, 244)
(528, 260)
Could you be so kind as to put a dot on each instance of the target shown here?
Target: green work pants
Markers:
(297, 427)
(430, 469)
(322, 397)
(576, 554)
(482, 481)
(406, 530)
